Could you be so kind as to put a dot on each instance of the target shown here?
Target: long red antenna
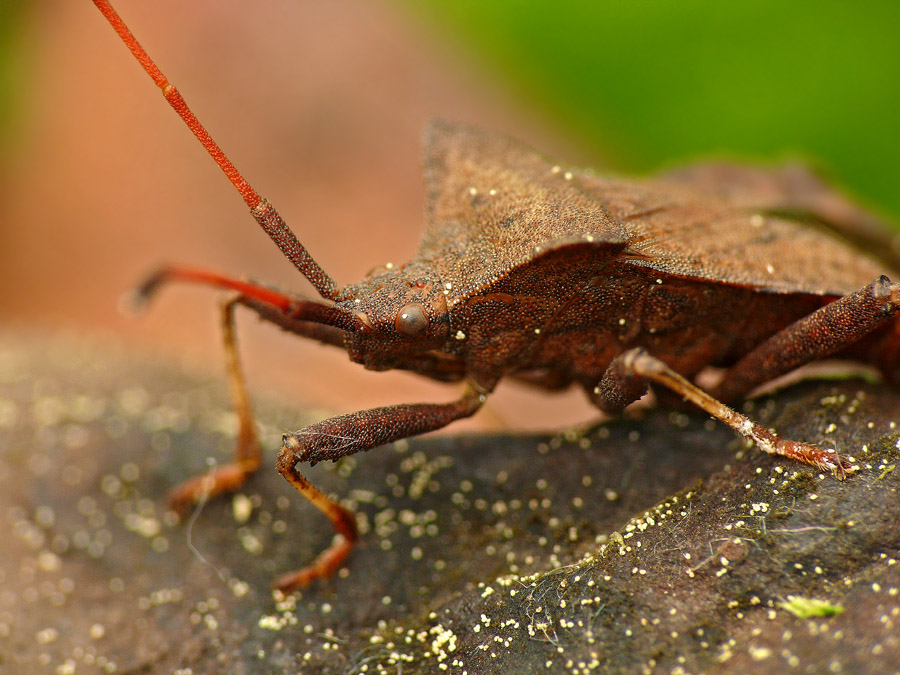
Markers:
(263, 212)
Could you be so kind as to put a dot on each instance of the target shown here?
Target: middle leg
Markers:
(344, 435)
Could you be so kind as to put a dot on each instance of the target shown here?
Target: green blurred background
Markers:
(13, 68)
(650, 82)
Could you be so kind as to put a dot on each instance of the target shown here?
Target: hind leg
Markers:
(820, 334)
(823, 333)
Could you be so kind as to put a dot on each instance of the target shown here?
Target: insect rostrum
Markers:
(560, 277)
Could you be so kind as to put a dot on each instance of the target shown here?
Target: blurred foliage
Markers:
(646, 83)
(11, 67)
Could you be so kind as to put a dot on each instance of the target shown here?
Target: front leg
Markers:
(344, 435)
(247, 452)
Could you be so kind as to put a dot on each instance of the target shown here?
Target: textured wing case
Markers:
(728, 231)
(494, 204)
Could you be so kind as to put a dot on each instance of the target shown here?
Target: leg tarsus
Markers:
(221, 480)
(325, 565)
(343, 520)
(247, 454)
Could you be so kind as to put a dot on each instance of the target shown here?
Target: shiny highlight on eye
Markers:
(411, 320)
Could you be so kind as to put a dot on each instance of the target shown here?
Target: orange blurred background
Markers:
(320, 104)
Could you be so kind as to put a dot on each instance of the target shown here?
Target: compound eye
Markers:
(411, 320)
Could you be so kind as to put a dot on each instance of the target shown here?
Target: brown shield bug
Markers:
(559, 277)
